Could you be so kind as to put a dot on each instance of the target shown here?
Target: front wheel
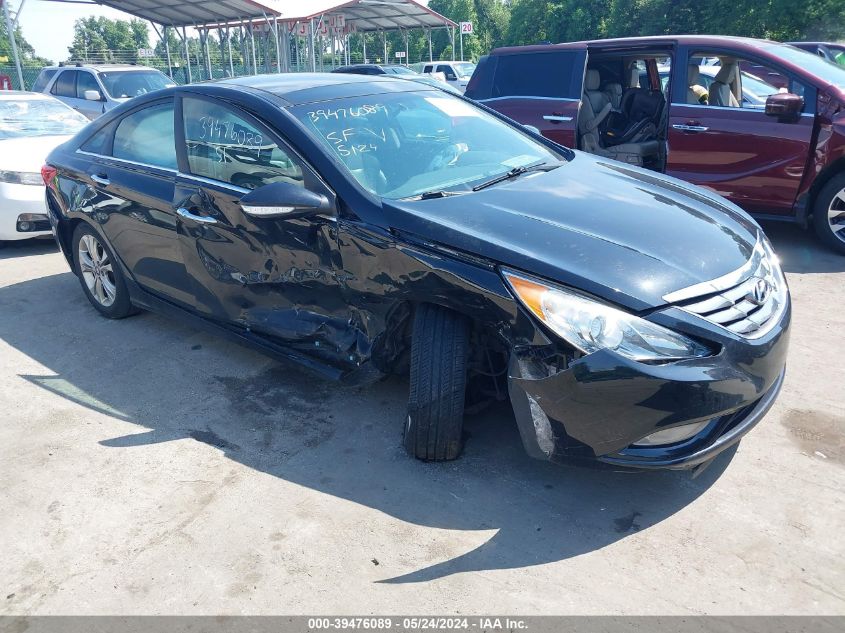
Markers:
(439, 354)
(829, 214)
(99, 274)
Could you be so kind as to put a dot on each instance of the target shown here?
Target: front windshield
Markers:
(823, 69)
(38, 117)
(131, 83)
(464, 69)
(401, 145)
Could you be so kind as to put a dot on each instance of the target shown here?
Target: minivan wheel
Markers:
(100, 275)
(439, 352)
(829, 214)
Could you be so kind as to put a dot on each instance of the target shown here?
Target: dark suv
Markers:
(781, 157)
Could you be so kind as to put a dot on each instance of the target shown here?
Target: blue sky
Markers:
(48, 26)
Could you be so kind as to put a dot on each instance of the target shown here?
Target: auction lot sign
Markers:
(411, 623)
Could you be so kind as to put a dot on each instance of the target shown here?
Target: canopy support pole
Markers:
(276, 40)
(10, 29)
(254, 56)
(229, 49)
(430, 54)
(184, 36)
(167, 52)
(313, 53)
(364, 40)
(384, 42)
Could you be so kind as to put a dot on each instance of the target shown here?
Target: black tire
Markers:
(439, 353)
(829, 196)
(121, 306)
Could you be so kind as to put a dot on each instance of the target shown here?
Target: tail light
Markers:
(48, 172)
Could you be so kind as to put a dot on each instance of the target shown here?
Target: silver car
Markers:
(94, 89)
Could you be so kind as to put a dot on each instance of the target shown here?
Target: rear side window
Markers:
(146, 136)
(536, 74)
(43, 79)
(65, 85)
(99, 143)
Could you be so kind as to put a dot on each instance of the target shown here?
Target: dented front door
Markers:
(269, 276)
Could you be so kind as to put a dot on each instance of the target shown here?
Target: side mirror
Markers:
(784, 105)
(283, 200)
(92, 95)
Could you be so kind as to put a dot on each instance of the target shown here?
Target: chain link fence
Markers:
(265, 62)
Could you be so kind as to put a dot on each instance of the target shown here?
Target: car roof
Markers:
(639, 42)
(298, 88)
(100, 67)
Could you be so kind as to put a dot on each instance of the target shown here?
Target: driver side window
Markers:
(224, 146)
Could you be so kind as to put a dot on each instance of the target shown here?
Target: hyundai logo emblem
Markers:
(760, 292)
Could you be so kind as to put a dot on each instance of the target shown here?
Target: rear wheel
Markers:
(439, 352)
(99, 274)
(829, 213)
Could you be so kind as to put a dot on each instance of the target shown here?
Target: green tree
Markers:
(25, 50)
(99, 39)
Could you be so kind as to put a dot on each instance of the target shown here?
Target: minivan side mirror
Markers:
(784, 105)
(283, 200)
(92, 95)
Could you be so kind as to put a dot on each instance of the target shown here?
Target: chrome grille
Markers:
(748, 301)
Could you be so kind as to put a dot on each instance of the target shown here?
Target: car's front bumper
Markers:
(15, 200)
(600, 405)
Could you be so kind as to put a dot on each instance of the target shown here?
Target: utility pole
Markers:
(10, 29)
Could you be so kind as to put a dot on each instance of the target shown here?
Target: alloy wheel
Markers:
(97, 272)
(836, 215)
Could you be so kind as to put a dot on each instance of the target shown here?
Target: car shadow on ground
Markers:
(175, 384)
(800, 251)
(27, 248)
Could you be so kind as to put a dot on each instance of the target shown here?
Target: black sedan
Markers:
(364, 226)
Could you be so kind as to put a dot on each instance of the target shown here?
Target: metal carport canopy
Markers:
(194, 12)
(366, 15)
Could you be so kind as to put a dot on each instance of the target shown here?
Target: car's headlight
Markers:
(21, 177)
(589, 325)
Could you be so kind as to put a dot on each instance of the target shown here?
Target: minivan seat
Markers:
(595, 107)
(721, 93)
(613, 92)
(696, 93)
(599, 101)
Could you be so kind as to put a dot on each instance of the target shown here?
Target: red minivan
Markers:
(760, 123)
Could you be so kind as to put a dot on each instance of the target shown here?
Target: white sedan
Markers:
(31, 125)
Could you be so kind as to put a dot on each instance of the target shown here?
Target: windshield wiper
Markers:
(517, 171)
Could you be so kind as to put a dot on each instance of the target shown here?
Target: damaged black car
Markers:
(365, 226)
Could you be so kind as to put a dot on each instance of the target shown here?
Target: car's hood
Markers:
(625, 234)
(27, 153)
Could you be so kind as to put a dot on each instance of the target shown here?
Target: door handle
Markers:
(182, 212)
(101, 179)
(556, 118)
(690, 128)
